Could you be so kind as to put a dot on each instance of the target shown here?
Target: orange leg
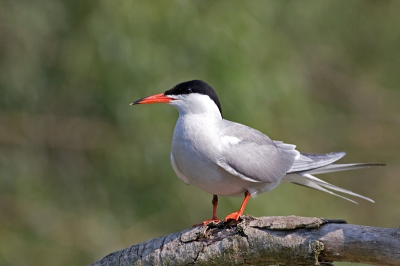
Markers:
(214, 217)
(215, 204)
(236, 215)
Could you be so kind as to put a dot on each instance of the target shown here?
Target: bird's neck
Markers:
(201, 119)
(190, 125)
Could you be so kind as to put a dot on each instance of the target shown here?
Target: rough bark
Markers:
(278, 240)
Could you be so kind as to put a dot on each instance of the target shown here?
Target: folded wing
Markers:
(253, 156)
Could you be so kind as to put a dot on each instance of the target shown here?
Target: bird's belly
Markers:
(213, 179)
(210, 179)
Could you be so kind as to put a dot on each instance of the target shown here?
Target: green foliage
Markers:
(82, 173)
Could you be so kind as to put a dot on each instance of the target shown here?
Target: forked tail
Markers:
(320, 164)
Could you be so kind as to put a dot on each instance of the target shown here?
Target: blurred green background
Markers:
(83, 174)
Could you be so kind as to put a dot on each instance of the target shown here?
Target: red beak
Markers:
(156, 98)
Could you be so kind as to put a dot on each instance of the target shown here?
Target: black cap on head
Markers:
(195, 86)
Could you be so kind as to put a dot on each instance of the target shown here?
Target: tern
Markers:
(225, 158)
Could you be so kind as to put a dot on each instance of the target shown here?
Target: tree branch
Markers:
(283, 240)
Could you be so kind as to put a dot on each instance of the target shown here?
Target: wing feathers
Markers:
(251, 155)
(254, 157)
(309, 161)
(342, 167)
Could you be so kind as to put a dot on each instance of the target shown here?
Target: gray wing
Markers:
(253, 156)
(308, 161)
(315, 163)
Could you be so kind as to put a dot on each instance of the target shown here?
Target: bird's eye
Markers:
(189, 90)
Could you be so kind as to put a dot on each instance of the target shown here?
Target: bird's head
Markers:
(188, 97)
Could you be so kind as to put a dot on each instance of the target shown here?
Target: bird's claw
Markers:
(206, 222)
(233, 216)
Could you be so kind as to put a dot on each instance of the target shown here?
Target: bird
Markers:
(226, 158)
